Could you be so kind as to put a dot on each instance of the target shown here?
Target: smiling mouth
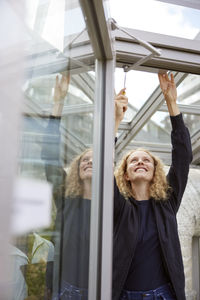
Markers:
(90, 168)
(140, 169)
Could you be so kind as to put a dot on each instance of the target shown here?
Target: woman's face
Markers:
(85, 166)
(140, 167)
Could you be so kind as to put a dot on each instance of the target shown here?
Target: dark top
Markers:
(147, 271)
(72, 225)
(126, 218)
(76, 233)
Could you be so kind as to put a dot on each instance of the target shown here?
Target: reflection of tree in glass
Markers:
(39, 251)
(35, 279)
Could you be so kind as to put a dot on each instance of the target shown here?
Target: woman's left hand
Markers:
(168, 88)
(61, 87)
(60, 92)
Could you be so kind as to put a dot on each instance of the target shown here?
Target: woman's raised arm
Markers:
(168, 88)
(60, 91)
(181, 144)
(121, 106)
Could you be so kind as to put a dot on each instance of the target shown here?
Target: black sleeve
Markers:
(181, 158)
(119, 202)
(55, 174)
(50, 153)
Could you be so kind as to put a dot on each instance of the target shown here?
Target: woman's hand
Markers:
(121, 106)
(61, 88)
(168, 88)
(60, 92)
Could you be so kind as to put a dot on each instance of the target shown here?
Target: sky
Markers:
(156, 16)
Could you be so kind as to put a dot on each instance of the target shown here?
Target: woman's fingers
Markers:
(121, 96)
(166, 77)
(121, 101)
(160, 77)
(165, 82)
(122, 91)
(172, 78)
(63, 81)
(161, 80)
(121, 105)
(168, 87)
(61, 87)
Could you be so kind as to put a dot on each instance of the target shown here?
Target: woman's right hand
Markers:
(121, 106)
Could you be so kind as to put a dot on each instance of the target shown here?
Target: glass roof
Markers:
(147, 15)
(50, 36)
(189, 90)
(139, 85)
(140, 89)
(147, 119)
(53, 20)
(156, 16)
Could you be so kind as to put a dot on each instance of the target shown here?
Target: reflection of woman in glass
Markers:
(76, 229)
(73, 200)
(147, 260)
(78, 183)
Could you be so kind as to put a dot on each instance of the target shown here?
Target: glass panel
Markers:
(192, 122)
(162, 121)
(157, 129)
(156, 16)
(51, 261)
(139, 86)
(189, 90)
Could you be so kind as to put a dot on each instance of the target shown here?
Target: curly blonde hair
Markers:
(158, 187)
(74, 185)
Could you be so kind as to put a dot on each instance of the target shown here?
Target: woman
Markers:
(72, 195)
(147, 260)
(76, 228)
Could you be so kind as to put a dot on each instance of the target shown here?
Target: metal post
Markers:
(107, 201)
(100, 269)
